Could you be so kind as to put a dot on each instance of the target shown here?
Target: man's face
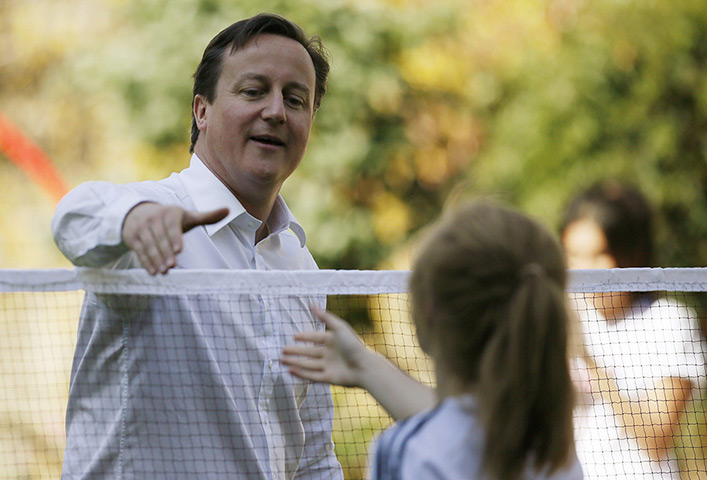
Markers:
(255, 132)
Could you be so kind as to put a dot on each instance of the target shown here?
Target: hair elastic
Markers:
(531, 270)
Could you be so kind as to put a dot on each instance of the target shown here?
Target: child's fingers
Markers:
(312, 336)
(312, 365)
(331, 321)
(303, 351)
(311, 375)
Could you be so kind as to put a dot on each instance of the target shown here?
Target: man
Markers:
(188, 386)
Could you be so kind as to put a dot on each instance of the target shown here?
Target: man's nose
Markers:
(274, 108)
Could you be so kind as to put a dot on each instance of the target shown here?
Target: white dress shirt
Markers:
(190, 386)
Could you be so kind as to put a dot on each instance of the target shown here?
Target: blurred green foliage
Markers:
(527, 101)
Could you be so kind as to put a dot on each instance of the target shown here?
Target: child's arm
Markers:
(339, 357)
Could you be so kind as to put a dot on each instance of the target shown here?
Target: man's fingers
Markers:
(172, 238)
(156, 250)
(144, 259)
(167, 244)
(194, 219)
(154, 232)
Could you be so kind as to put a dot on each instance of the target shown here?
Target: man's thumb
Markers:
(194, 219)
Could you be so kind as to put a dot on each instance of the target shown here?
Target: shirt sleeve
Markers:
(88, 222)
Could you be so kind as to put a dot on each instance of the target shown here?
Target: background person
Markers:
(488, 303)
(642, 356)
(186, 387)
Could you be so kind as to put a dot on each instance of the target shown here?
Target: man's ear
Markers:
(200, 110)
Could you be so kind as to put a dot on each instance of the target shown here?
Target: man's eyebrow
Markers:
(264, 79)
(300, 86)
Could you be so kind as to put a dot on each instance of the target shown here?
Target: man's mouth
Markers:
(268, 140)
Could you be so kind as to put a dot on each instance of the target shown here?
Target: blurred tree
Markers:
(37, 94)
(514, 98)
(585, 90)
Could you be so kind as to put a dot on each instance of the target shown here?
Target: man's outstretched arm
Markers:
(98, 222)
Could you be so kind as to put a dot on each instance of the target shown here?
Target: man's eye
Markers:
(251, 92)
(295, 101)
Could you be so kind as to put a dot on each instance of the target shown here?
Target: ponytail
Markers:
(524, 388)
(489, 303)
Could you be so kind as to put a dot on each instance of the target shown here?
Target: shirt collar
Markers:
(281, 219)
(209, 193)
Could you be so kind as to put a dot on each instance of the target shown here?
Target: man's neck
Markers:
(261, 212)
(262, 232)
(257, 200)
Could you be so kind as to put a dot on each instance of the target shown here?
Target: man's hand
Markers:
(155, 231)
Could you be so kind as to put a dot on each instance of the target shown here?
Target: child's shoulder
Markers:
(438, 443)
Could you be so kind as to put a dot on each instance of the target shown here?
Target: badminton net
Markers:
(197, 347)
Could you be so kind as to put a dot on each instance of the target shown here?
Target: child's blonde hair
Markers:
(489, 305)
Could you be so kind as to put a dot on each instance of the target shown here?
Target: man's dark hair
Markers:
(625, 217)
(236, 37)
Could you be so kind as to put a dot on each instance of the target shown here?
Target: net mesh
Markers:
(178, 376)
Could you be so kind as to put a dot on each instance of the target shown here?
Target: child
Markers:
(489, 307)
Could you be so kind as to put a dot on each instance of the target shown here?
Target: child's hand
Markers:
(335, 356)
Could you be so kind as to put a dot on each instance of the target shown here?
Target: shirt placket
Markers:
(267, 404)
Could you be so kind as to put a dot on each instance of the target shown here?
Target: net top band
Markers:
(327, 282)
